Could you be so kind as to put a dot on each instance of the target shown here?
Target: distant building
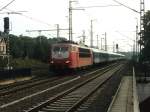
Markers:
(3, 51)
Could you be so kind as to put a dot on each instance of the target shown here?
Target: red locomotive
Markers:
(68, 55)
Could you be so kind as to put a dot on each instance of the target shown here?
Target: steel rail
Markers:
(33, 79)
(4, 89)
(22, 87)
(75, 106)
(5, 106)
(36, 108)
(114, 98)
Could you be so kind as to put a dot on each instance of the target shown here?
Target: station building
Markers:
(3, 51)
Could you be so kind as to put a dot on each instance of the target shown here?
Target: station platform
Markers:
(125, 99)
(144, 95)
(14, 80)
(144, 90)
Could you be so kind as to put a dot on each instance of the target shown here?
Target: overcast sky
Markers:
(118, 21)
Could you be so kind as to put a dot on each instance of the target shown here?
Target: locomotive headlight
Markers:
(67, 62)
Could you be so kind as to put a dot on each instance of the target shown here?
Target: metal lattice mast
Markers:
(70, 20)
(142, 12)
(91, 33)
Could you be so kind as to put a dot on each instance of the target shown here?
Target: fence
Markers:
(21, 72)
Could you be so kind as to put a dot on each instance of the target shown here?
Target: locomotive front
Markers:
(60, 56)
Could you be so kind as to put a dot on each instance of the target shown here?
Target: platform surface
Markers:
(125, 99)
(143, 90)
(10, 81)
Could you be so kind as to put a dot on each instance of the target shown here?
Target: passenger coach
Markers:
(100, 56)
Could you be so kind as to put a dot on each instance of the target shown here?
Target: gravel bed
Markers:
(31, 90)
(20, 106)
(100, 100)
(23, 105)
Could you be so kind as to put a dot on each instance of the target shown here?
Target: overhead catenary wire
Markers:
(16, 12)
(34, 19)
(7, 44)
(125, 36)
(31, 18)
(99, 6)
(126, 6)
(7, 5)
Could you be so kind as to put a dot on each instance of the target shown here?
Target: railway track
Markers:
(21, 91)
(71, 99)
(38, 74)
(14, 85)
(50, 92)
(10, 89)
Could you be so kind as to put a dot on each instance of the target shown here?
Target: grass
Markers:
(27, 63)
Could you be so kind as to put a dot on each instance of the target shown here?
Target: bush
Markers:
(27, 63)
(3, 62)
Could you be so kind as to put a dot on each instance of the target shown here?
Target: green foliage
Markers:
(3, 62)
(33, 48)
(146, 38)
(25, 63)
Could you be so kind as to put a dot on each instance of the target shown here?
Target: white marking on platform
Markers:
(9, 81)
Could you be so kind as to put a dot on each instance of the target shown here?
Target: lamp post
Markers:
(70, 18)
(136, 40)
(102, 43)
(91, 33)
(105, 37)
(97, 42)
(113, 46)
(105, 42)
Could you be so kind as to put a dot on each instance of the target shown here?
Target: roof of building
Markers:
(2, 37)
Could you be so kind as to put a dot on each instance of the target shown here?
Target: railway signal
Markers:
(6, 25)
(6, 31)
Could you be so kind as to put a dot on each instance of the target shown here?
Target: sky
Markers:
(117, 21)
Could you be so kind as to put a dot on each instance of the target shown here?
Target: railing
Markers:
(135, 96)
(21, 72)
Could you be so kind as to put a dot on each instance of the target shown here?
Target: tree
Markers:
(146, 38)
(33, 48)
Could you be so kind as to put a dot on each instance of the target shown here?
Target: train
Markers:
(67, 55)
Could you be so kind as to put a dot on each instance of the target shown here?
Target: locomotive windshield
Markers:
(60, 52)
(60, 49)
(56, 49)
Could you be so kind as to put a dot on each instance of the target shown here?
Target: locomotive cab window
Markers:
(64, 49)
(60, 49)
(56, 49)
(73, 48)
(84, 52)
